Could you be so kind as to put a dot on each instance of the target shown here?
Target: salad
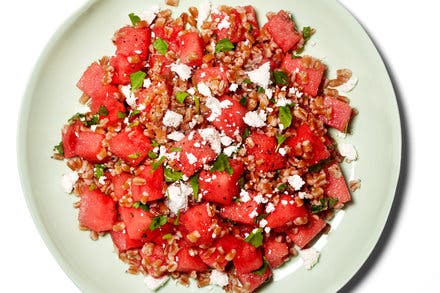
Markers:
(205, 150)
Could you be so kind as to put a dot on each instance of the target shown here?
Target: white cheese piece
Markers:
(150, 14)
(225, 140)
(204, 12)
(101, 180)
(310, 257)
(176, 136)
(182, 70)
(191, 91)
(296, 182)
(230, 150)
(263, 223)
(233, 87)
(219, 278)
(269, 208)
(244, 196)
(267, 229)
(212, 136)
(204, 89)
(172, 119)
(281, 102)
(253, 214)
(255, 118)
(261, 75)
(224, 23)
(191, 158)
(68, 181)
(147, 83)
(177, 196)
(258, 198)
(129, 96)
(155, 283)
(282, 151)
(348, 151)
(349, 85)
(215, 106)
(302, 195)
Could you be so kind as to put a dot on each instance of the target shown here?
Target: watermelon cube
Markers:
(282, 30)
(123, 242)
(302, 235)
(216, 256)
(123, 68)
(340, 115)
(97, 210)
(133, 41)
(68, 138)
(198, 219)
(235, 31)
(286, 211)
(191, 49)
(336, 185)
(93, 80)
(169, 33)
(231, 120)
(131, 145)
(151, 187)
(154, 259)
(308, 73)
(137, 222)
(276, 253)
(252, 281)
(242, 212)
(88, 145)
(263, 150)
(248, 258)
(188, 261)
(214, 77)
(250, 21)
(121, 184)
(159, 66)
(108, 106)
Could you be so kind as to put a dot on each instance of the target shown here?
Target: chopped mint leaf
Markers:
(137, 80)
(181, 96)
(121, 115)
(134, 18)
(171, 175)
(175, 149)
(261, 271)
(59, 148)
(99, 170)
(135, 112)
(161, 46)
(280, 77)
(155, 165)
(134, 155)
(255, 237)
(282, 187)
(222, 164)
(243, 101)
(224, 45)
(142, 206)
(152, 155)
(194, 182)
(285, 116)
(103, 111)
(158, 222)
(167, 236)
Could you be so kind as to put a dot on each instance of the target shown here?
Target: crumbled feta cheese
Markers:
(224, 23)
(310, 257)
(147, 83)
(182, 70)
(253, 214)
(68, 181)
(282, 151)
(93, 127)
(150, 14)
(129, 96)
(349, 85)
(204, 12)
(172, 119)
(204, 89)
(281, 102)
(269, 93)
(233, 87)
(176, 136)
(269, 208)
(255, 118)
(177, 194)
(258, 198)
(212, 136)
(302, 194)
(155, 283)
(244, 196)
(348, 151)
(295, 181)
(267, 229)
(101, 180)
(191, 91)
(216, 106)
(225, 140)
(218, 278)
(261, 75)
(263, 223)
(230, 150)
(191, 158)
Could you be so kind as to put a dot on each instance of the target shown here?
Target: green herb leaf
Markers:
(260, 90)
(172, 175)
(307, 33)
(243, 101)
(260, 217)
(134, 18)
(251, 29)
(280, 77)
(99, 170)
(194, 182)
(137, 80)
(175, 149)
(285, 116)
(318, 166)
(282, 187)
(134, 156)
(133, 124)
(77, 116)
(157, 222)
(247, 81)
(92, 187)
(102, 110)
(155, 165)
(59, 148)
(331, 202)
(325, 203)
(135, 112)
(294, 56)
(197, 103)
(167, 236)
(222, 164)
(161, 46)
(246, 133)
(224, 45)
(121, 115)
(181, 96)
(261, 271)
(142, 206)
(280, 140)
(255, 237)
(154, 143)
(241, 182)
(176, 220)
(152, 155)
(92, 121)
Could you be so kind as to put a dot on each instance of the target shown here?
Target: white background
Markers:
(407, 258)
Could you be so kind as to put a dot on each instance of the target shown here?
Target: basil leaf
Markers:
(255, 238)
(171, 175)
(155, 165)
(176, 220)
(260, 90)
(246, 133)
(175, 149)
(318, 166)
(181, 96)
(280, 139)
(280, 77)
(282, 187)
(247, 81)
(194, 182)
(134, 155)
(307, 33)
(134, 18)
(155, 143)
(261, 271)
(325, 203)
(102, 110)
(243, 101)
(59, 148)
(142, 206)
(224, 45)
(197, 103)
(167, 236)
(99, 170)
(152, 155)
(121, 115)
(92, 121)
(137, 80)
(260, 217)
(285, 116)
(222, 164)
(157, 222)
(77, 116)
(135, 112)
(161, 46)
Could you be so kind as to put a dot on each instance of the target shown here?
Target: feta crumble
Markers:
(244, 196)
(224, 23)
(348, 151)
(129, 96)
(310, 257)
(269, 208)
(281, 102)
(233, 87)
(219, 278)
(68, 181)
(177, 194)
(349, 85)
(204, 90)
(230, 150)
(263, 223)
(155, 283)
(172, 119)
(191, 158)
(282, 151)
(182, 70)
(150, 14)
(147, 83)
(261, 75)
(176, 136)
(212, 136)
(215, 106)
(255, 118)
(204, 12)
(296, 182)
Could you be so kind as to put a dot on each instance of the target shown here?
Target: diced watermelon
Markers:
(215, 256)
(69, 139)
(121, 184)
(336, 185)
(302, 235)
(286, 211)
(131, 145)
(340, 115)
(89, 145)
(123, 69)
(265, 157)
(193, 146)
(137, 222)
(159, 66)
(304, 133)
(157, 256)
(133, 41)
(252, 281)
(214, 77)
(187, 261)
(251, 20)
(235, 31)
(231, 120)
(93, 80)
(191, 49)
(157, 94)
(107, 102)
(169, 34)
(248, 258)
(153, 187)
(197, 219)
(123, 242)
(308, 73)
(282, 30)
(97, 210)
(242, 212)
(156, 236)
(220, 187)
(275, 252)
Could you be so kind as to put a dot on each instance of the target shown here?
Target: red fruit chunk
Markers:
(152, 189)
(231, 120)
(169, 34)
(235, 32)
(159, 65)
(137, 222)
(197, 219)
(275, 252)
(131, 145)
(265, 157)
(282, 30)
(69, 139)
(133, 41)
(336, 185)
(304, 133)
(214, 77)
(252, 21)
(121, 185)
(286, 211)
(220, 187)
(248, 258)
(303, 234)
(123, 242)
(340, 115)
(193, 146)
(89, 145)
(123, 69)
(242, 212)
(155, 256)
(215, 257)
(107, 102)
(97, 210)
(252, 281)
(308, 73)
(191, 49)
(93, 80)
(187, 263)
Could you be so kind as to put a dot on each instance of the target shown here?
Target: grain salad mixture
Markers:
(205, 150)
